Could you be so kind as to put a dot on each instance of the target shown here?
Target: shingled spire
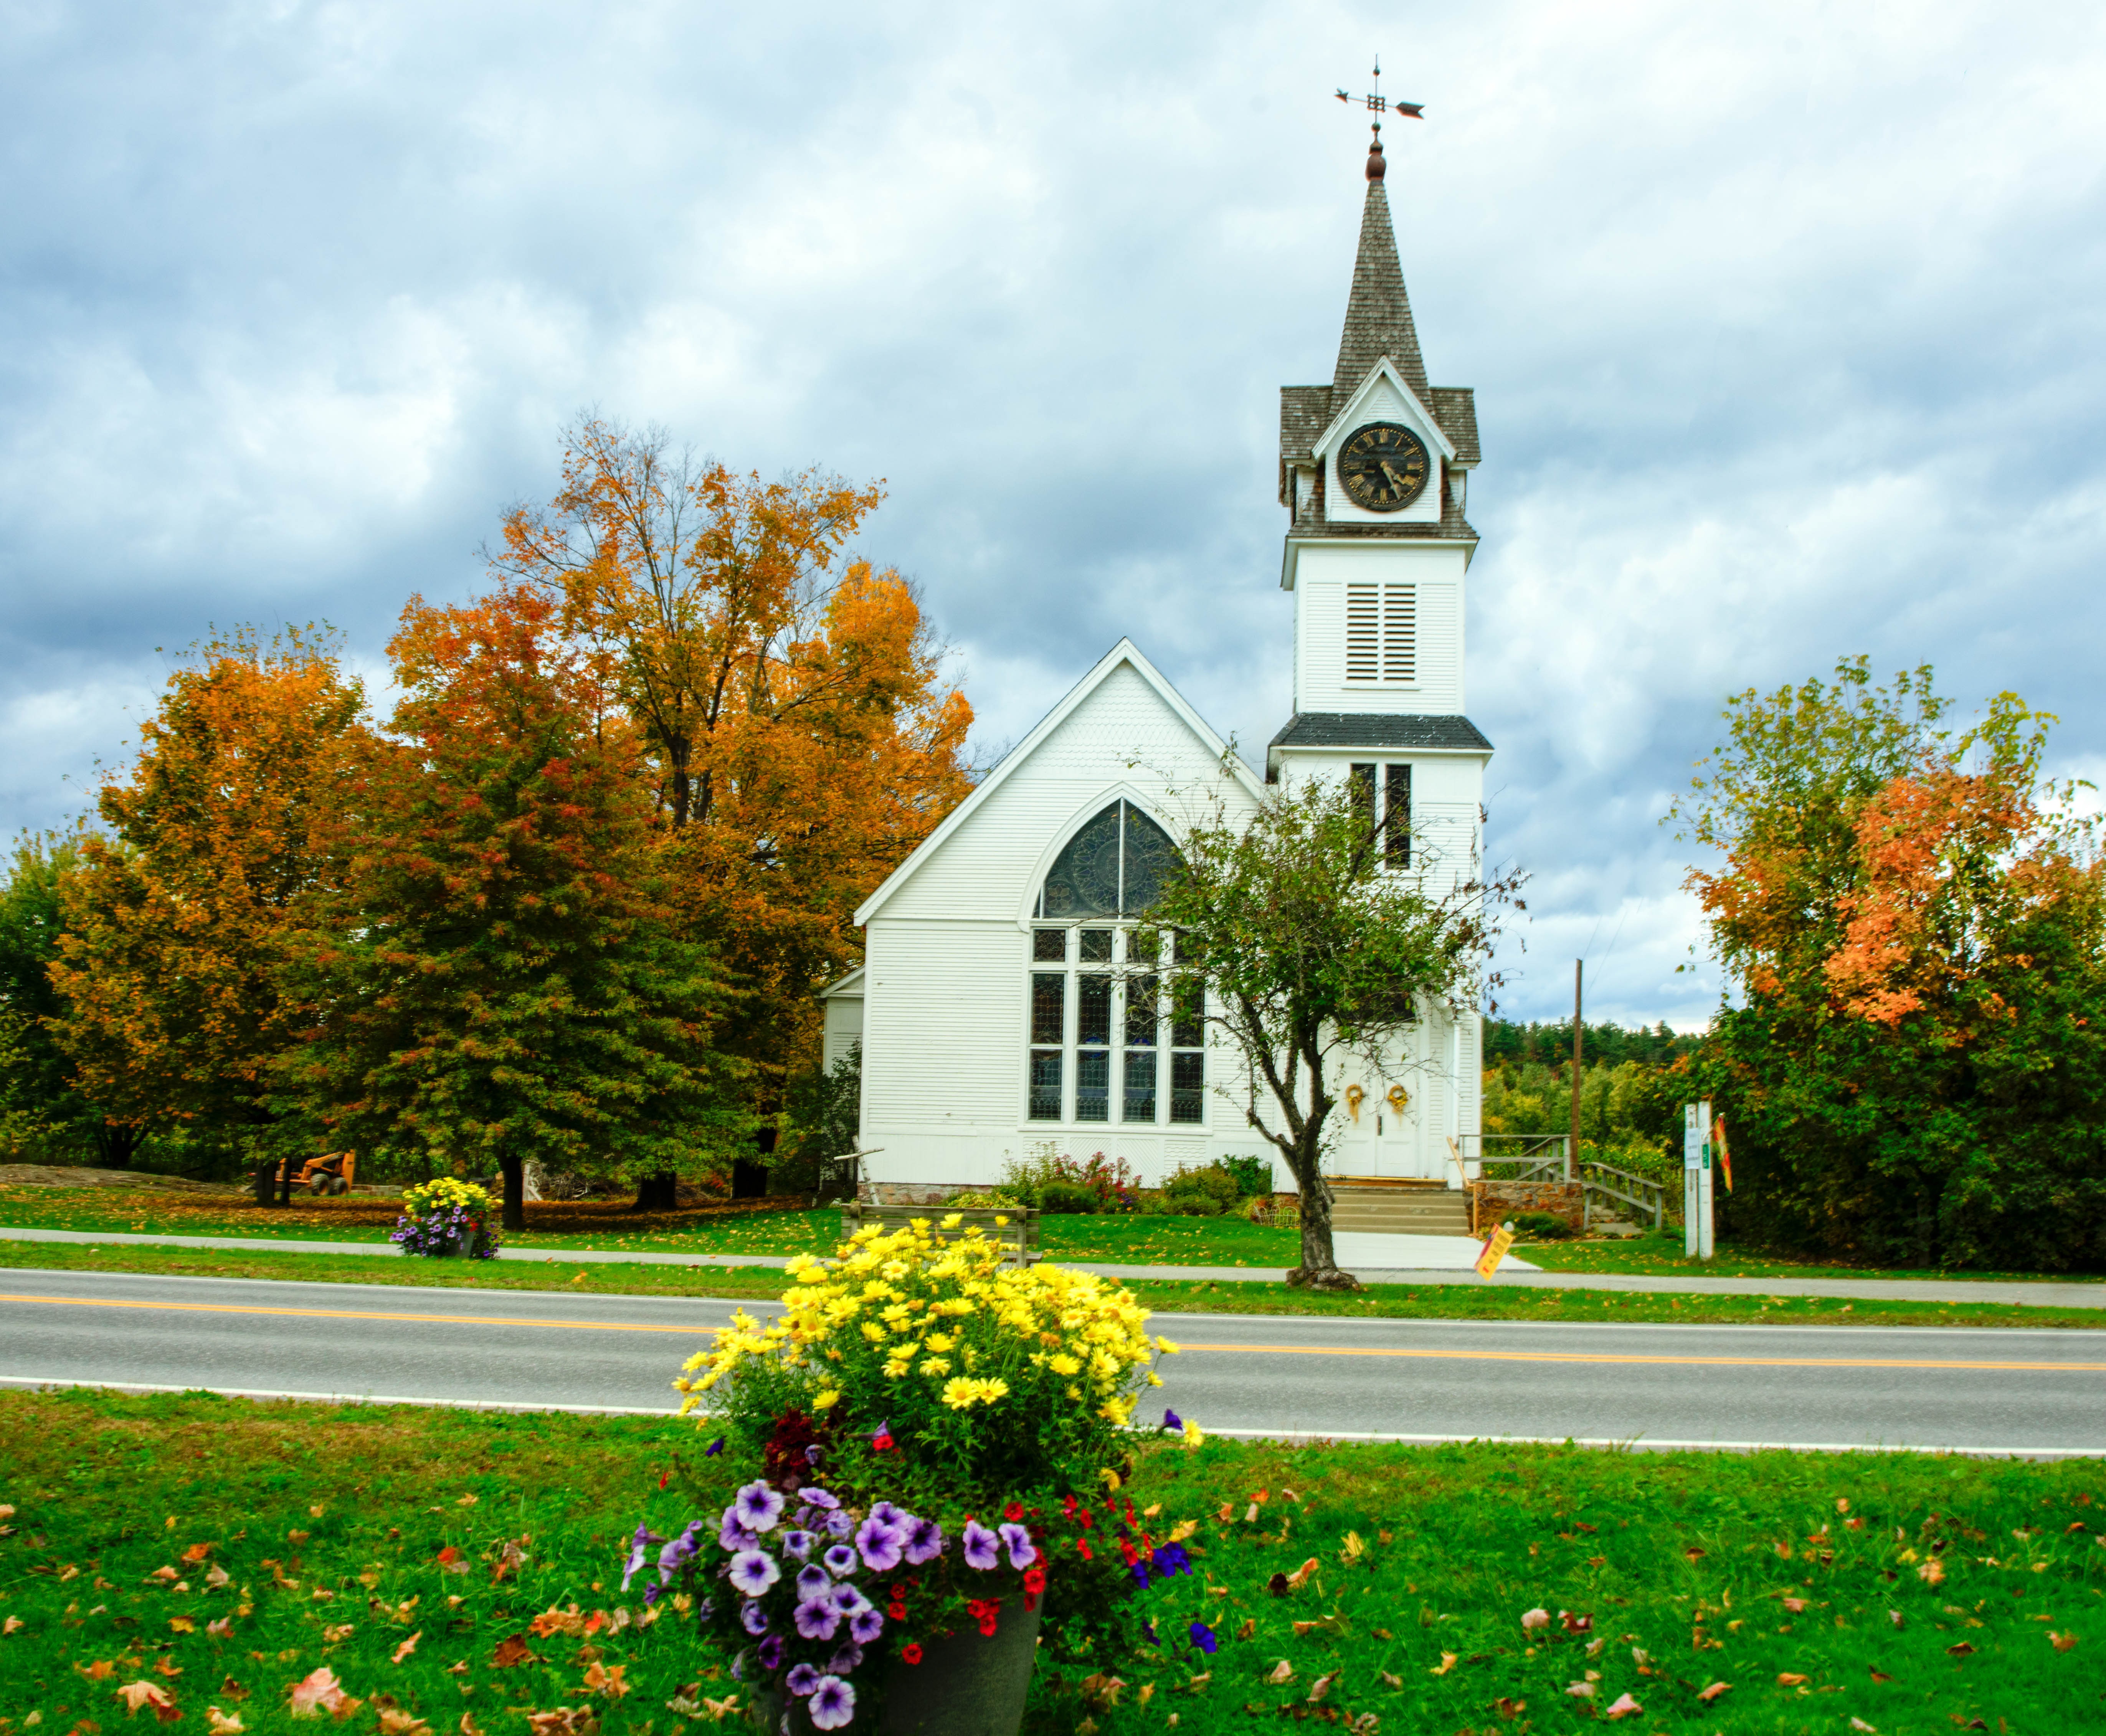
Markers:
(1378, 316)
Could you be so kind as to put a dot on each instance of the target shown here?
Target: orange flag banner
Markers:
(1719, 1151)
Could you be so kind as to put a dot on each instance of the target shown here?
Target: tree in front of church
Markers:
(180, 919)
(1914, 918)
(501, 978)
(1297, 940)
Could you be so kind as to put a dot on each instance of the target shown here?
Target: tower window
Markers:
(1396, 815)
(1381, 631)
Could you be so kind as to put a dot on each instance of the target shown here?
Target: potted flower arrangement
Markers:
(445, 1218)
(930, 1448)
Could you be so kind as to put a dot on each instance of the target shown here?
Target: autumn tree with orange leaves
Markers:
(1914, 1071)
(800, 739)
(500, 979)
(181, 919)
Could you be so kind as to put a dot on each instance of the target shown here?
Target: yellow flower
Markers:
(1111, 1479)
(1167, 1348)
(1064, 1363)
(935, 1366)
(826, 1401)
(1194, 1436)
(1154, 1379)
(942, 1341)
(873, 1331)
(954, 1220)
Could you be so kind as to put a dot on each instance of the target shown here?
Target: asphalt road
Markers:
(1994, 1390)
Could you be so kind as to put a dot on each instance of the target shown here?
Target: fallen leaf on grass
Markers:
(468, 1500)
(217, 1723)
(1789, 1680)
(1581, 1690)
(468, 1726)
(12, 1625)
(1859, 1724)
(344, 1630)
(1447, 1663)
(136, 1694)
(513, 1651)
(170, 1668)
(565, 1720)
(1714, 1690)
(1300, 1575)
(1282, 1671)
(450, 1560)
(101, 1670)
(1575, 1624)
(604, 1679)
(1248, 1628)
(198, 1551)
(1507, 1708)
(222, 1629)
(1392, 1681)
(233, 1689)
(1535, 1618)
(407, 1646)
(1795, 1604)
(394, 1721)
(1880, 1676)
(2063, 1642)
(1961, 1650)
(1623, 1706)
(1932, 1573)
(1321, 1686)
(319, 1692)
(216, 1576)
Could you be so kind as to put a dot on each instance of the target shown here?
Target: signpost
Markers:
(1696, 1180)
(1495, 1251)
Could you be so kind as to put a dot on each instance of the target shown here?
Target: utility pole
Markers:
(1572, 1150)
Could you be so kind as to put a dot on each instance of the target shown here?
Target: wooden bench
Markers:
(1018, 1238)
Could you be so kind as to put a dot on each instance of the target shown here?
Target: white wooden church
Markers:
(991, 1004)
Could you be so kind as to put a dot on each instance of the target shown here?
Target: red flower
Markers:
(910, 1653)
(1084, 1547)
(896, 1611)
(1034, 1581)
(1013, 1512)
(882, 1443)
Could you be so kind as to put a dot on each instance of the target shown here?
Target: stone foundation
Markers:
(912, 1193)
(1496, 1202)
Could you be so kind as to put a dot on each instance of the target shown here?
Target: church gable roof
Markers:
(1378, 311)
(1125, 655)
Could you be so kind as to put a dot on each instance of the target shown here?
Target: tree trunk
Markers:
(266, 1180)
(657, 1192)
(1318, 1269)
(514, 1169)
(116, 1142)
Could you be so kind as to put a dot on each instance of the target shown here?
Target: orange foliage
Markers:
(182, 920)
(787, 694)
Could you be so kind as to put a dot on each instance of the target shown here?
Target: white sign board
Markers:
(1696, 1180)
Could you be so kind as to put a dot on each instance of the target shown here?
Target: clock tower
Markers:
(1373, 472)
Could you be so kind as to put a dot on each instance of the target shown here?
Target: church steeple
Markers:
(1379, 313)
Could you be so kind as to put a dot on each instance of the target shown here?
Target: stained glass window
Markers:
(1110, 872)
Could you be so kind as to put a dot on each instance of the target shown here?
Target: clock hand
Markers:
(1391, 474)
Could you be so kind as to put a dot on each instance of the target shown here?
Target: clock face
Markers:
(1384, 467)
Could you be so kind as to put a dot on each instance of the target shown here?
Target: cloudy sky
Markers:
(1786, 325)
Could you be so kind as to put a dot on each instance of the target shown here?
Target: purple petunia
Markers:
(714, 1448)
(848, 1600)
(840, 1524)
(820, 1498)
(846, 1661)
(639, 1549)
(880, 1545)
(983, 1548)
(817, 1618)
(753, 1571)
(812, 1581)
(676, 1555)
(832, 1703)
(757, 1506)
(1171, 1420)
(925, 1541)
(770, 1652)
(797, 1545)
(1203, 1636)
(865, 1626)
(814, 1453)
(753, 1618)
(840, 1559)
(802, 1680)
(732, 1536)
(885, 1513)
(1149, 1629)
(1022, 1550)
(705, 1611)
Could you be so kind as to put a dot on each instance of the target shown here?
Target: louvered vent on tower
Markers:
(1382, 632)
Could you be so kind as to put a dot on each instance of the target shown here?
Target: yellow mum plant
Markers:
(988, 1374)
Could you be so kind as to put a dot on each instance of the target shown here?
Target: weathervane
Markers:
(1378, 104)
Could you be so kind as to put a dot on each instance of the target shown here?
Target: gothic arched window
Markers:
(1113, 867)
(1102, 1008)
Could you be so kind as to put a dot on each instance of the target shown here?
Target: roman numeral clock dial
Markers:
(1384, 467)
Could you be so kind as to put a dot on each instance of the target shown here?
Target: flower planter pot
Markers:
(964, 1686)
(464, 1247)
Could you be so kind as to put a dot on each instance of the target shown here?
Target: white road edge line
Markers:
(1287, 1436)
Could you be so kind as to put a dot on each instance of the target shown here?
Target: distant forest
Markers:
(1601, 1045)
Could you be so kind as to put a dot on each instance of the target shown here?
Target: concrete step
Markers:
(1431, 1210)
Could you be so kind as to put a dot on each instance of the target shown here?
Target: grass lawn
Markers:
(611, 1228)
(1421, 1301)
(1914, 1594)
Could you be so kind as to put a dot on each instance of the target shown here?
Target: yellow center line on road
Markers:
(1603, 1355)
(450, 1319)
(1189, 1347)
